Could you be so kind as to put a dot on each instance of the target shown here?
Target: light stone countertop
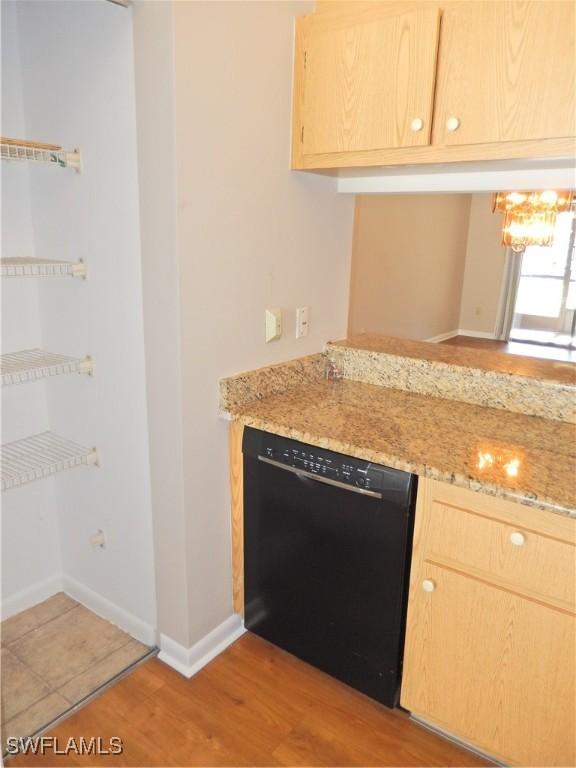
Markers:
(526, 385)
(528, 459)
(466, 357)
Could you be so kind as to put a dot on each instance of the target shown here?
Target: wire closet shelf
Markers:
(39, 456)
(38, 152)
(33, 364)
(23, 266)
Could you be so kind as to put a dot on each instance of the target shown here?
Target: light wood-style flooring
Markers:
(254, 705)
(541, 351)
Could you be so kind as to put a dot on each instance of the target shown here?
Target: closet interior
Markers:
(78, 603)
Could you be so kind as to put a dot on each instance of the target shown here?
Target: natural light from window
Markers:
(546, 286)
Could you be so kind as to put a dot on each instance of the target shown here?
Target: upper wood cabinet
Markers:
(389, 83)
(506, 72)
(369, 84)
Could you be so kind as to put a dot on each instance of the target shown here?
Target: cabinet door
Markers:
(491, 667)
(366, 80)
(505, 72)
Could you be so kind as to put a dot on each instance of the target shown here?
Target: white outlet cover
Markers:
(273, 324)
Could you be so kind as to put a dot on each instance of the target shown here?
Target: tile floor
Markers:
(53, 655)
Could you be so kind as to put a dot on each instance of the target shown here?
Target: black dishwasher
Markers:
(327, 544)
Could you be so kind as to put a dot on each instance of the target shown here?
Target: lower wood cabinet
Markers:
(490, 656)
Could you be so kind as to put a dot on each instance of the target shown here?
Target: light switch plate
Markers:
(301, 322)
(273, 324)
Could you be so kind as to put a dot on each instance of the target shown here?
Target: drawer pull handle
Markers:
(453, 123)
(428, 585)
(417, 124)
(517, 538)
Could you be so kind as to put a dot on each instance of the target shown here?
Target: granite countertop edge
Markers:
(526, 498)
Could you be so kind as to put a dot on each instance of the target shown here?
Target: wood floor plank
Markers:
(254, 705)
(181, 736)
(541, 351)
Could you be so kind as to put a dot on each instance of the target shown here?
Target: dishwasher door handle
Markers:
(320, 479)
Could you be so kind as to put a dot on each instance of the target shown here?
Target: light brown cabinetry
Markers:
(388, 83)
(506, 72)
(369, 84)
(491, 633)
(236, 462)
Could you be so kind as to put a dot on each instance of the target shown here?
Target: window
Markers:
(546, 297)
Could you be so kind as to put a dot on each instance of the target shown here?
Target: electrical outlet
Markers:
(302, 322)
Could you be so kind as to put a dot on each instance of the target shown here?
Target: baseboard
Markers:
(476, 334)
(188, 661)
(461, 332)
(31, 596)
(131, 624)
(443, 337)
(455, 739)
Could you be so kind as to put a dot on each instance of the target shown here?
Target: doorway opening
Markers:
(545, 302)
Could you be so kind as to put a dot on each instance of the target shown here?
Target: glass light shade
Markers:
(546, 199)
(524, 228)
(506, 201)
(530, 216)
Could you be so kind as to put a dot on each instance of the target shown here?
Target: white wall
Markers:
(30, 543)
(425, 265)
(484, 268)
(78, 85)
(235, 230)
(408, 264)
(154, 67)
(250, 234)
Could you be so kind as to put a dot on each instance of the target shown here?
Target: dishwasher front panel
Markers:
(325, 572)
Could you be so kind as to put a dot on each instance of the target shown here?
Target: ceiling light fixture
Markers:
(530, 217)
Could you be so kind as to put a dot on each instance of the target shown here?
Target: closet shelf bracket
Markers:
(86, 366)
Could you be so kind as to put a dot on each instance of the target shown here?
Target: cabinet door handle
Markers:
(428, 585)
(517, 538)
(417, 124)
(453, 123)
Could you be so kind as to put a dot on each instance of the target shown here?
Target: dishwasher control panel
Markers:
(319, 462)
(313, 460)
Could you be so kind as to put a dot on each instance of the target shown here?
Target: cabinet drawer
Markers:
(503, 553)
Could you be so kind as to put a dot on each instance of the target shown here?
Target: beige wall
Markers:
(154, 70)
(484, 270)
(249, 234)
(408, 264)
(252, 234)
